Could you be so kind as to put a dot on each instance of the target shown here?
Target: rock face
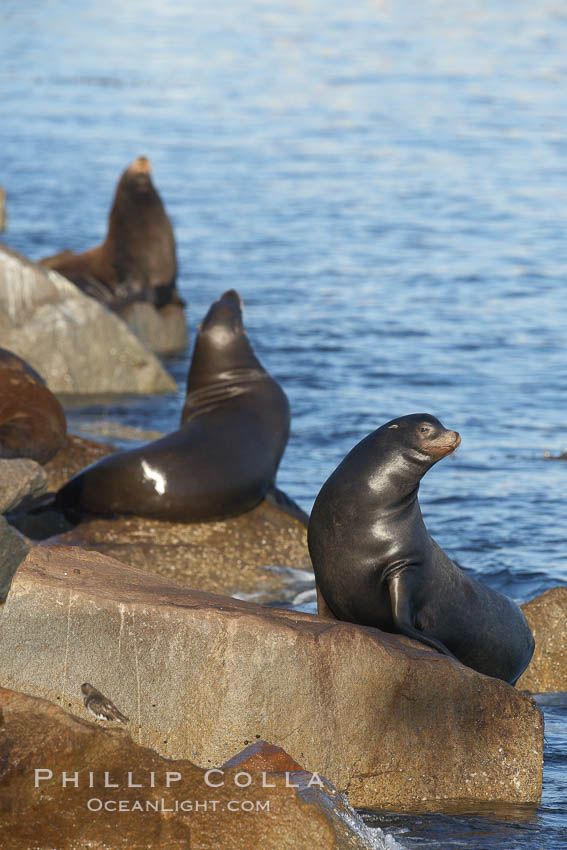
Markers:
(163, 331)
(390, 723)
(37, 735)
(74, 342)
(547, 618)
(13, 550)
(20, 479)
(255, 553)
(263, 756)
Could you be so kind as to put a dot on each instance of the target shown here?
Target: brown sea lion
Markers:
(223, 459)
(376, 565)
(32, 421)
(137, 259)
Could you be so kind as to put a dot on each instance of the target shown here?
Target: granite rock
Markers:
(74, 342)
(547, 618)
(13, 549)
(163, 331)
(258, 554)
(72, 806)
(20, 479)
(389, 722)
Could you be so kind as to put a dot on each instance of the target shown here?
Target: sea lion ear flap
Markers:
(393, 426)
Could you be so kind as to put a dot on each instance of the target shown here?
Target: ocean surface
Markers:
(386, 186)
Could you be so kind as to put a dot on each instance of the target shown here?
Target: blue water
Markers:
(386, 186)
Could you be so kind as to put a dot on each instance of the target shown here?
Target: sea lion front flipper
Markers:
(323, 609)
(401, 614)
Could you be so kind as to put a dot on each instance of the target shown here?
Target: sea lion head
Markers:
(139, 174)
(223, 322)
(425, 436)
(222, 345)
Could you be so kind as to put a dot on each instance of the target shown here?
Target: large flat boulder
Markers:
(163, 331)
(56, 773)
(547, 618)
(389, 722)
(74, 342)
(255, 555)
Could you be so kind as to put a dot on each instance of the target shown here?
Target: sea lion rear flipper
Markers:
(281, 500)
(401, 614)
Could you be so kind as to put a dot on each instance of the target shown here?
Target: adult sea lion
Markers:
(375, 563)
(223, 459)
(32, 421)
(137, 259)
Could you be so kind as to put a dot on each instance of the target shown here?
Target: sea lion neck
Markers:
(395, 475)
(131, 202)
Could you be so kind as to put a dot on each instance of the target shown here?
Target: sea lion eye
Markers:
(425, 429)
(393, 426)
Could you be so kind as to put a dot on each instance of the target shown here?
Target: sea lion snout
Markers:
(224, 318)
(141, 165)
(232, 297)
(139, 174)
(443, 444)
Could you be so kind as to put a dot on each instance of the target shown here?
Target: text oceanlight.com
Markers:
(95, 804)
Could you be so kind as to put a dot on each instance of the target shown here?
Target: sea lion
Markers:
(32, 421)
(376, 565)
(223, 459)
(137, 259)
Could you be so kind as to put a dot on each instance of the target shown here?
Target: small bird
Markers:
(99, 705)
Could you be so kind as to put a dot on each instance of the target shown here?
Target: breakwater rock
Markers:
(74, 342)
(388, 722)
(547, 618)
(163, 331)
(56, 773)
(13, 549)
(21, 479)
(257, 554)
